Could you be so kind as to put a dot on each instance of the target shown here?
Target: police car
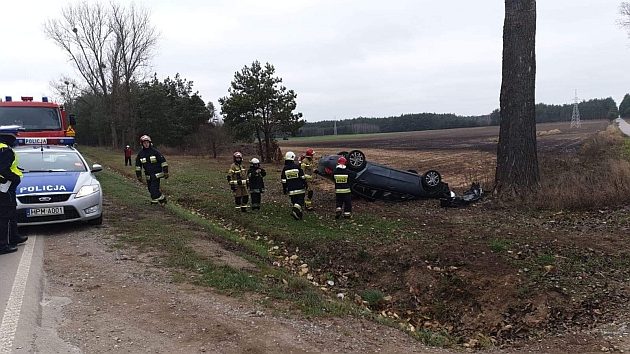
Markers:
(57, 186)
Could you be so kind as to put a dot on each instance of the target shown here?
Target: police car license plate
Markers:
(44, 211)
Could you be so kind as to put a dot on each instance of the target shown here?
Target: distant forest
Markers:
(591, 109)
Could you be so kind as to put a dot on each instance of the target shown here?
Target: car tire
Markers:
(356, 160)
(97, 221)
(431, 179)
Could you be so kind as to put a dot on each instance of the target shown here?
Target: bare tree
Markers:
(624, 11)
(517, 161)
(108, 46)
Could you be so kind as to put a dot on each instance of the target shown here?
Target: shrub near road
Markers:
(479, 275)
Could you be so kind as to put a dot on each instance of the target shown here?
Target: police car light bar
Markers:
(46, 141)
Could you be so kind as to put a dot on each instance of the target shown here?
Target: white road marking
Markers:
(11, 317)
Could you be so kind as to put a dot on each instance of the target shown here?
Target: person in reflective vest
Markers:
(255, 176)
(10, 177)
(237, 178)
(293, 184)
(155, 168)
(344, 179)
(309, 167)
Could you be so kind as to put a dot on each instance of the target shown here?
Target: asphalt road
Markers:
(28, 316)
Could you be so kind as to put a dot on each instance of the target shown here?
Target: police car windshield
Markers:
(50, 161)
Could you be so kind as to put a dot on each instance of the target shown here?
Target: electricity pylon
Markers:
(575, 117)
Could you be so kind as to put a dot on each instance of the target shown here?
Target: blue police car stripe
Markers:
(48, 182)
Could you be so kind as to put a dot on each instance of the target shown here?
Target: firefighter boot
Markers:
(296, 212)
(337, 213)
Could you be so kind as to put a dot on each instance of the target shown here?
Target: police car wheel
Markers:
(97, 221)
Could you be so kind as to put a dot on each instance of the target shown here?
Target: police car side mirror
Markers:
(96, 167)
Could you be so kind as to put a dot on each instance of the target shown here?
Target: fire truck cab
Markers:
(41, 123)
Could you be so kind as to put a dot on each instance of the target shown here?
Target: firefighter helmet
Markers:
(254, 161)
(289, 156)
(341, 161)
(145, 138)
(309, 152)
(237, 155)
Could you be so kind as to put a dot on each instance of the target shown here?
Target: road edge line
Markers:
(11, 316)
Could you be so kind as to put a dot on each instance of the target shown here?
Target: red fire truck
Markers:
(41, 122)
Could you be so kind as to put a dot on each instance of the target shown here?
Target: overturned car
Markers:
(374, 181)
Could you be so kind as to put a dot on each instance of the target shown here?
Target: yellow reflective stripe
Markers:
(164, 164)
(343, 190)
(159, 175)
(308, 177)
(284, 180)
(293, 173)
(138, 168)
(297, 191)
(143, 160)
(153, 159)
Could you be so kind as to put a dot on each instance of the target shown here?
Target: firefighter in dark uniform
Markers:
(344, 178)
(10, 177)
(237, 178)
(155, 168)
(308, 166)
(293, 184)
(255, 176)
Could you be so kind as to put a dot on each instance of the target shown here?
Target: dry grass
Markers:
(597, 176)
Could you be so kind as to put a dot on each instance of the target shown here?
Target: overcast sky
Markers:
(350, 58)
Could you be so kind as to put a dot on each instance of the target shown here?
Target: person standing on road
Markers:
(237, 178)
(10, 177)
(128, 153)
(308, 166)
(343, 195)
(255, 176)
(293, 184)
(155, 168)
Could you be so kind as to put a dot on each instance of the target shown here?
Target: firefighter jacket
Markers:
(308, 166)
(292, 177)
(153, 163)
(344, 179)
(9, 172)
(255, 178)
(237, 175)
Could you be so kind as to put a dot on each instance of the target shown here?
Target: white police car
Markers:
(57, 186)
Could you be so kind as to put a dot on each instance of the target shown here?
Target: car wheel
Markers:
(431, 179)
(356, 160)
(97, 221)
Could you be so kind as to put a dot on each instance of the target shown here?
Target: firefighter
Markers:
(293, 184)
(308, 166)
(155, 168)
(237, 178)
(10, 177)
(343, 195)
(128, 152)
(256, 183)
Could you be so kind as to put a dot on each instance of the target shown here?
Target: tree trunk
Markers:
(517, 160)
(260, 149)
